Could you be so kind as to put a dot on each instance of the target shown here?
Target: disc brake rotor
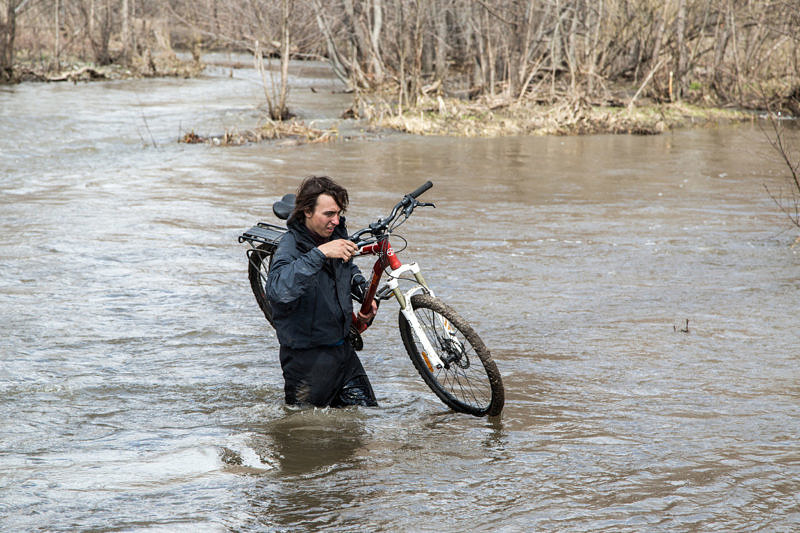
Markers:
(455, 353)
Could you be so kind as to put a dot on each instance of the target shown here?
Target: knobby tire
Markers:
(470, 382)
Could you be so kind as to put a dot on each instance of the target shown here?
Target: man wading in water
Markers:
(309, 287)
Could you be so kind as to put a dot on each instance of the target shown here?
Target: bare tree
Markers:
(789, 204)
(277, 93)
(680, 59)
(8, 29)
(125, 33)
(511, 50)
(102, 21)
(353, 31)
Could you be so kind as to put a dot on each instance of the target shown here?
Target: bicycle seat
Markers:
(284, 207)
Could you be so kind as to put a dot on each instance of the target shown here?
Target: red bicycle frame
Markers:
(386, 259)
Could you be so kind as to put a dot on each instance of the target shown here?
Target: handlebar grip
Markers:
(421, 189)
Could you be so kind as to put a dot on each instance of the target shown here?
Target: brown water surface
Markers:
(139, 383)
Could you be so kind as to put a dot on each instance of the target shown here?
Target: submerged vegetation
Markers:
(452, 67)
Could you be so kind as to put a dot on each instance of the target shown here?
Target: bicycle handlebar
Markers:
(421, 189)
(406, 205)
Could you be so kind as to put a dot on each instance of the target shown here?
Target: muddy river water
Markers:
(139, 383)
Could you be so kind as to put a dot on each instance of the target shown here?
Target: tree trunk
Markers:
(126, 32)
(723, 35)
(440, 44)
(258, 62)
(735, 46)
(340, 68)
(57, 36)
(8, 30)
(555, 51)
(283, 111)
(475, 48)
(416, 80)
(571, 55)
(365, 40)
(375, 39)
(490, 57)
(100, 42)
(680, 67)
(658, 37)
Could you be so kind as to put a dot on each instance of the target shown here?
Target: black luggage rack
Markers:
(263, 233)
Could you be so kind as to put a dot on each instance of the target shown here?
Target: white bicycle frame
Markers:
(430, 354)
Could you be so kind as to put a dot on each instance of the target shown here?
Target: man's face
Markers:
(325, 217)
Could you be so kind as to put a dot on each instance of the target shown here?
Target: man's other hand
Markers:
(369, 316)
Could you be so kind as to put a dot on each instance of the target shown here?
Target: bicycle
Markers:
(443, 347)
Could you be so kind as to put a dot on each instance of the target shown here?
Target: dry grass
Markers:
(485, 118)
(292, 132)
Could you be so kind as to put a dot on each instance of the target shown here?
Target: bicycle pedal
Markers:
(354, 337)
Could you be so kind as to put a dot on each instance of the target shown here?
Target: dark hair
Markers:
(311, 188)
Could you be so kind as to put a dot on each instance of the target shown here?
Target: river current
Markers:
(639, 295)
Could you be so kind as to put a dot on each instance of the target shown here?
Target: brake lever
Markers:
(414, 204)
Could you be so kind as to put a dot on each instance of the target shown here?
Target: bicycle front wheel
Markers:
(469, 381)
(260, 259)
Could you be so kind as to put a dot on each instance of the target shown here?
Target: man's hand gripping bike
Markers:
(446, 351)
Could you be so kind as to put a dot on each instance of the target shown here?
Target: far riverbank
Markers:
(432, 115)
(575, 116)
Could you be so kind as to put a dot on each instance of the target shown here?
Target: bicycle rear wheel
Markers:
(469, 382)
(260, 259)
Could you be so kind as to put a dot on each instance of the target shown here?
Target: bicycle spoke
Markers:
(465, 386)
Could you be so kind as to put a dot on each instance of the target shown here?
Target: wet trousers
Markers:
(325, 376)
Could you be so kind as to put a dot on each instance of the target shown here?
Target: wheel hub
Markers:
(455, 353)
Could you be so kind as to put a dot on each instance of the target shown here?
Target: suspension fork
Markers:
(429, 353)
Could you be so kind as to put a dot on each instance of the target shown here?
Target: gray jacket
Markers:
(309, 293)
